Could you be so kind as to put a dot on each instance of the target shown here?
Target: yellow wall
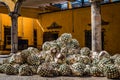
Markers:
(25, 30)
(69, 19)
(5, 21)
(80, 20)
(25, 27)
(112, 38)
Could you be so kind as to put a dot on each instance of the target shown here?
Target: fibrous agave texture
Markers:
(78, 69)
(46, 46)
(16, 66)
(34, 69)
(103, 54)
(55, 67)
(95, 62)
(85, 51)
(73, 44)
(96, 72)
(87, 70)
(25, 53)
(103, 62)
(94, 55)
(45, 70)
(65, 70)
(115, 56)
(5, 61)
(117, 61)
(33, 50)
(2, 68)
(33, 60)
(25, 70)
(111, 71)
(16, 58)
(10, 70)
(65, 38)
(85, 59)
(73, 51)
(71, 59)
(42, 55)
(60, 58)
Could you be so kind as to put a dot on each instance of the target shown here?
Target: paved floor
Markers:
(37, 77)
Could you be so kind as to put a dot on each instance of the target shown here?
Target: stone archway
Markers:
(9, 4)
(14, 13)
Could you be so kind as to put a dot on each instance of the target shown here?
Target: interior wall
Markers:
(76, 22)
(72, 21)
(25, 28)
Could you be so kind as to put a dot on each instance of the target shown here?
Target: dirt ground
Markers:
(37, 77)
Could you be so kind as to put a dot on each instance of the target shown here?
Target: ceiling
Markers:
(35, 7)
(37, 3)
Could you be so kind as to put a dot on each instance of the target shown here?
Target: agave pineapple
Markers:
(46, 46)
(2, 68)
(103, 54)
(78, 69)
(117, 61)
(73, 44)
(45, 70)
(85, 51)
(34, 69)
(10, 70)
(87, 70)
(33, 60)
(65, 38)
(103, 62)
(33, 50)
(65, 70)
(25, 53)
(16, 66)
(25, 70)
(71, 59)
(16, 58)
(96, 72)
(111, 71)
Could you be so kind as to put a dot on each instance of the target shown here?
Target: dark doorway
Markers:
(35, 38)
(49, 36)
(7, 37)
(22, 43)
(88, 38)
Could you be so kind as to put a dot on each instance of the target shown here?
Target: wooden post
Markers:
(96, 25)
(14, 28)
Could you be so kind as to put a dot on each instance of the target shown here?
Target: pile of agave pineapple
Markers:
(62, 57)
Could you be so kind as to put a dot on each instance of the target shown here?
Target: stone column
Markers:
(14, 28)
(96, 25)
(14, 32)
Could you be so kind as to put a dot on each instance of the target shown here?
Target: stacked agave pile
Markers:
(111, 71)
(22, 63)
(62, 57)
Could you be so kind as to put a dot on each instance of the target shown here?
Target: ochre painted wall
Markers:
(5, 21)
(72, 21)
(25, 27)
(80, 18)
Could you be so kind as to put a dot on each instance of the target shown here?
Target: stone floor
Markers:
(37, 77)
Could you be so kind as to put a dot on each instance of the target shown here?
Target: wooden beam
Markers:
(96, 26)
